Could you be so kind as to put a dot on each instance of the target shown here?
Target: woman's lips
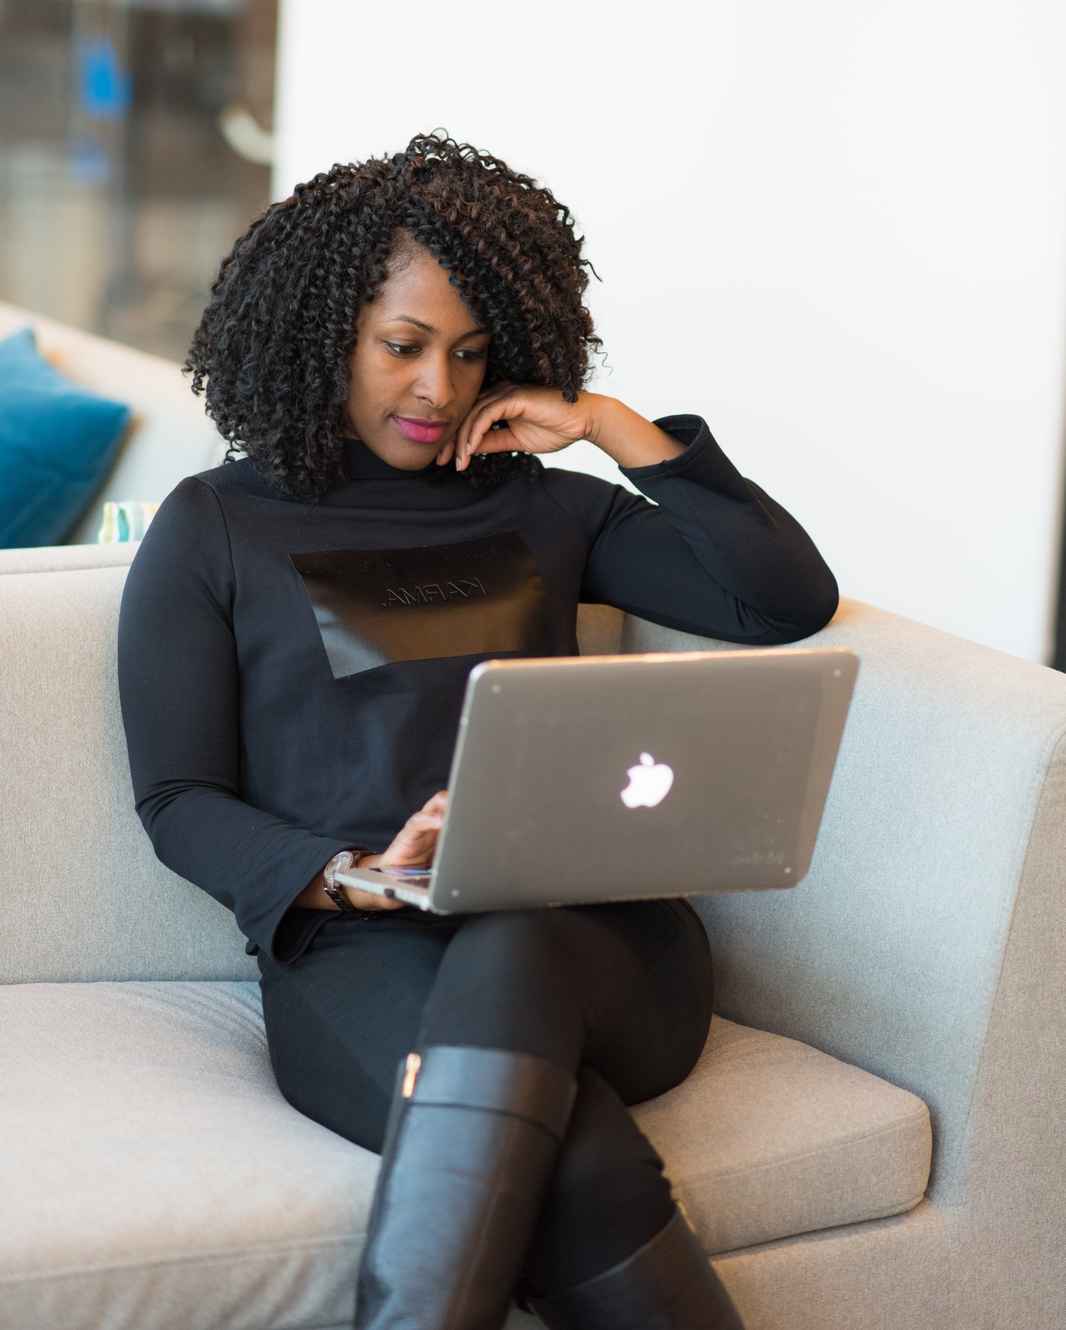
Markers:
(419, 433)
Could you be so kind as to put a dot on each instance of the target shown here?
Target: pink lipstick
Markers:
(419, 433)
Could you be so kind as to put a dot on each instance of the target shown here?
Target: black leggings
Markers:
(620, 994)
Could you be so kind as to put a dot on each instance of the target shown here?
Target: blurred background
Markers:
(836, 231)
(134, 147)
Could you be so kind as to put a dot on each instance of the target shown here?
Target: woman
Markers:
(296, 633)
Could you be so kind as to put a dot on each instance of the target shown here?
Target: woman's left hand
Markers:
(539, 420)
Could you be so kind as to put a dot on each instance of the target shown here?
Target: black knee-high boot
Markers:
(469, 1148)
(667, 1284)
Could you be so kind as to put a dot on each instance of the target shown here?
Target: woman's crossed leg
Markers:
(619, 994)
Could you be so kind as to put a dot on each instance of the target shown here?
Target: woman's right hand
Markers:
(413, 847)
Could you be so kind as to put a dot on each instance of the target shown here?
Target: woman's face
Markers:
(400, 369)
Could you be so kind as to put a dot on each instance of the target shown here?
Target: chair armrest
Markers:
(927, 943)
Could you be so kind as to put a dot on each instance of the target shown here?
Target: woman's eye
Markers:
(397, 348)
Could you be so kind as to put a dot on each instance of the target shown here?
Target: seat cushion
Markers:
(162, 1180)
(767, 1138)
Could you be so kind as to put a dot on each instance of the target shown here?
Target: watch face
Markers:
(341, 862)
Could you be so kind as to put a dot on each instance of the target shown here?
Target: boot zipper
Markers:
(414, 1065)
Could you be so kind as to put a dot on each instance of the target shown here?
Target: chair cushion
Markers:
(57, 442)
(768, 1137)
(161, 1178)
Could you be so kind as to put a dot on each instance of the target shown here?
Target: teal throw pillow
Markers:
(57, 443)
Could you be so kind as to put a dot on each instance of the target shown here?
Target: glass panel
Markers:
(135, 144)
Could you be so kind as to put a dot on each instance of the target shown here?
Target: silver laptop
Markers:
(578, 779)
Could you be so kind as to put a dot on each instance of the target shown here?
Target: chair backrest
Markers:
(82, 893)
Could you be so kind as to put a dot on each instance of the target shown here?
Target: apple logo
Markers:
(648, 783)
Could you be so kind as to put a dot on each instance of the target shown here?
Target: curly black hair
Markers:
(275, 341)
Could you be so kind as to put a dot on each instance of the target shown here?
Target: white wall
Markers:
(835, 230)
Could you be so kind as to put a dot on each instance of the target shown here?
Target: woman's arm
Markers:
(712, 554)
(179, 689)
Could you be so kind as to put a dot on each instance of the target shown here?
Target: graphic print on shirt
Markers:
(376, 607)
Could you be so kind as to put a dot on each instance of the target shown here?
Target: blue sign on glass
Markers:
(105, 87)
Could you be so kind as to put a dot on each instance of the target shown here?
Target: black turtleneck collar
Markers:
(363, 464)
(371, 482)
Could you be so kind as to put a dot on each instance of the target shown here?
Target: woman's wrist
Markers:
(314, 895)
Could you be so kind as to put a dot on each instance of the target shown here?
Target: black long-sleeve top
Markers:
(291, 674)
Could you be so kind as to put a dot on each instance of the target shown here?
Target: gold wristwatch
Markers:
(341, 863)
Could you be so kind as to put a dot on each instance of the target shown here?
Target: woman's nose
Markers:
(434, 386)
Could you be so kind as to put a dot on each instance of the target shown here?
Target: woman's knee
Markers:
(506, 938)
(505, 982)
